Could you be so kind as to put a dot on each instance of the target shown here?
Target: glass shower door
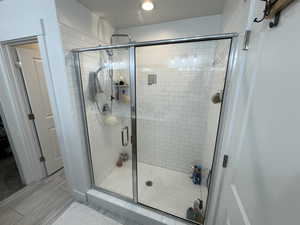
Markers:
(178, 94)
(105, 87)
(151, 115)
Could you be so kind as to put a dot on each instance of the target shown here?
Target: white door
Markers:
(32, 69)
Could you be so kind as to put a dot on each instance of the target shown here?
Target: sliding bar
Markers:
(161, 42)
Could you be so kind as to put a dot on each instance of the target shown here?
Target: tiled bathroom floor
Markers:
(37, 203)
(172, 192)
(79, 214)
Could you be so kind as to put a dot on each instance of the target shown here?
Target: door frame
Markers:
(16, 107)
(225, 118)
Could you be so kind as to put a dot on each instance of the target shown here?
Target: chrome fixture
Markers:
(120, 35)
(95, 87)
(159, 42)
(125, 143)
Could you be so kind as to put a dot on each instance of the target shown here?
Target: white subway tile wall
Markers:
(173, 115)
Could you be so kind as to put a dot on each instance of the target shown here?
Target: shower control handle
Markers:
(124, 144)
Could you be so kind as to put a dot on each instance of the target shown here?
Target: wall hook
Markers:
(268, 7)
(272, 10)
(276, 20)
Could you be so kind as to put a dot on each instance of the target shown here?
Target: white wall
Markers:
(75, 32)
(81, 28)
(175, 29)
(264, 168)
(24, 20)
(74, 15)
(235, 18)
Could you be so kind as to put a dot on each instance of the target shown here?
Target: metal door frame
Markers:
(132, 68)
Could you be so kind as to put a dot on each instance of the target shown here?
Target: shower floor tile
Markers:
(172, 192)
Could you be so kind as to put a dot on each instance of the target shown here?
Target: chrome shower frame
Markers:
(214, 185)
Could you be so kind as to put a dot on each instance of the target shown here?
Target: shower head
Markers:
(120, 35)
(110, 51)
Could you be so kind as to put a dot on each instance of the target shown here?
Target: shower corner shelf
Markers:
(122, 85)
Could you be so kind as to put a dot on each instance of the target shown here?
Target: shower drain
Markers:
(149, 183)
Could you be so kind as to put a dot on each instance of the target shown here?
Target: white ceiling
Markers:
(127, 13)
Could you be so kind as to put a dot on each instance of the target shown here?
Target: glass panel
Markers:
(106, 90)
(177, 123)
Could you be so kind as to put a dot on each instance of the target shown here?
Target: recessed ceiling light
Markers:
(147, 6)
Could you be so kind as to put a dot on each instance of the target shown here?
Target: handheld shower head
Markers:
(98, 88)
(94, 86)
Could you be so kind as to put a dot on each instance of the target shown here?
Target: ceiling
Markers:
(127, 13)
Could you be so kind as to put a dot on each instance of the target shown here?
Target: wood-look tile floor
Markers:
(38, 203)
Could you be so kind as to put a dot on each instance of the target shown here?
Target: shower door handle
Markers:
(124, 144)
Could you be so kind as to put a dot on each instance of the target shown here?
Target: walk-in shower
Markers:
(155, 144)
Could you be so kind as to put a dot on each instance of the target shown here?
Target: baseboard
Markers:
(80, 197)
